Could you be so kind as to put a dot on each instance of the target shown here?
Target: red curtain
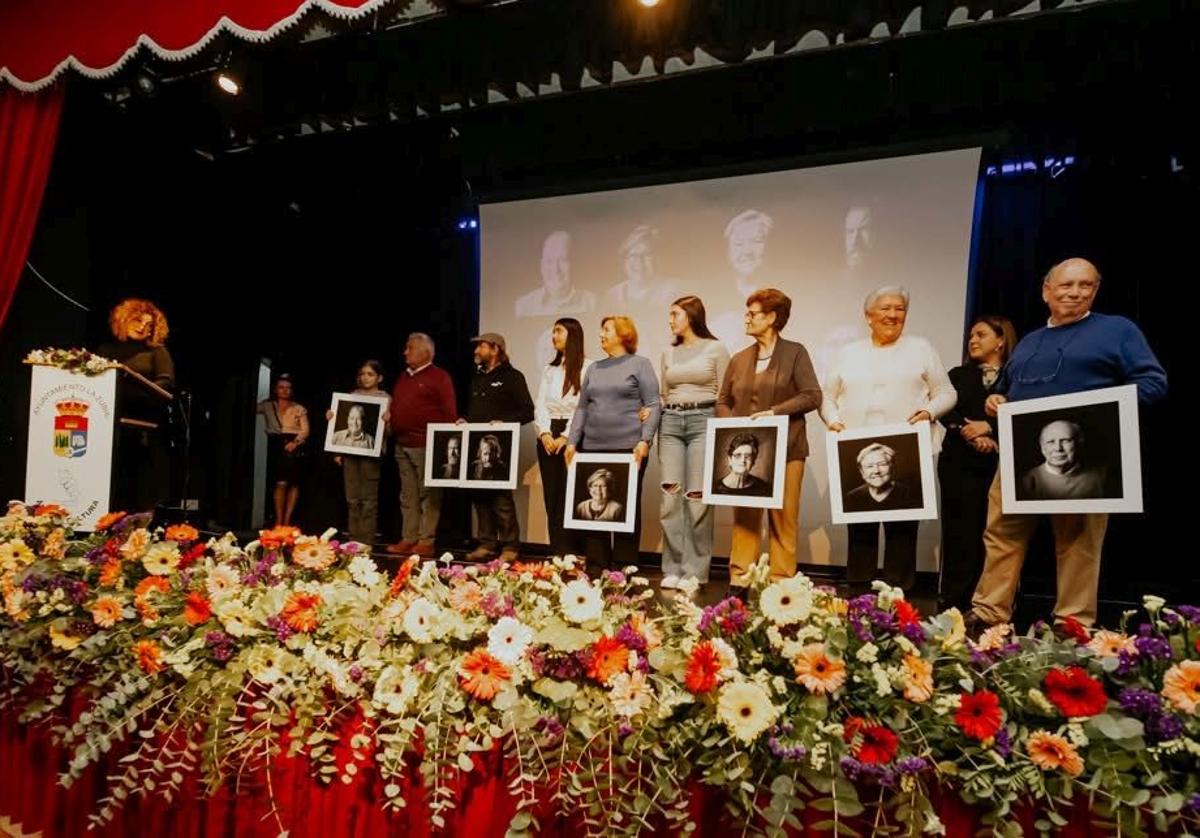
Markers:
(41, 38)
(28, 128)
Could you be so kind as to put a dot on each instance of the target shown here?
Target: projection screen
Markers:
(825, 235)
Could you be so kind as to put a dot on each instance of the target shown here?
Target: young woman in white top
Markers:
(887, 378)
(557, 398)
(690, 372)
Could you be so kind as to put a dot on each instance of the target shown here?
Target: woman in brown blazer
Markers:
(772, 377)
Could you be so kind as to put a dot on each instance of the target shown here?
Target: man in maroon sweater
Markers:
(423, 394)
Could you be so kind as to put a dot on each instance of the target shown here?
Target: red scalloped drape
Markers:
(28, 129)
(37, 36)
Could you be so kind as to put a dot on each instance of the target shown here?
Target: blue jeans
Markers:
(687, 522)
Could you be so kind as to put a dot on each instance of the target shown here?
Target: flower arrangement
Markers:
(206, 659)
(73, 360)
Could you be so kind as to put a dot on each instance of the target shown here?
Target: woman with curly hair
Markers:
(139, 330)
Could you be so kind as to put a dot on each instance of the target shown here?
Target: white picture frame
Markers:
(623, 491)
(507, 435)
(1095, 432)
(911, 470)
(373, 413)
(441, 438)
(767, 461)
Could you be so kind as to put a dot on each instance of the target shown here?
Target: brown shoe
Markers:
(480, 554)
(974, 625)
(401, 547)
(509, 554)
(424, 549)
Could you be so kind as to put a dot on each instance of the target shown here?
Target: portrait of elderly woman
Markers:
(741, 455)
(601, 504)
(880, 489)
(641, 283)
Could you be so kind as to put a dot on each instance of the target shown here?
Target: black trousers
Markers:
(606, 550)
(497, 516)
(964, 517)
(899, 555)
(554, 492)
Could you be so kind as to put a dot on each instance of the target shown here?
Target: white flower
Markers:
(508, 640)
(420, 620)
(161, 558)
(787, 601)
(580, 601)
(868, 653)
(746, 709)
(1153, 603)
(629, 693)
(883, 683)
(993, 638)
(726, 657)
(364, 571)
(395, 689)
(222, 579)
(267, 663)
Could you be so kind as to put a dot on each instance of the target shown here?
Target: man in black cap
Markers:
(498, 394)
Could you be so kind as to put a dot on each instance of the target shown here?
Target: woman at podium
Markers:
(141, 470)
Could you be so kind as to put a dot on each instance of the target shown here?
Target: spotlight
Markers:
(145, 83)
(649, 4)
(229, 84)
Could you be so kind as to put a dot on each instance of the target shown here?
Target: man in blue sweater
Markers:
(1077, 350)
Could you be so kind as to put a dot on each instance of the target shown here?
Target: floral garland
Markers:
(72, 360)
(208, 658)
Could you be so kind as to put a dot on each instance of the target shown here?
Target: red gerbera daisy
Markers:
(978, 715)
(703, 668)
(1074, 692)
(878, 745)
(907, 613)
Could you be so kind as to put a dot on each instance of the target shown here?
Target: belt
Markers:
(690, 405)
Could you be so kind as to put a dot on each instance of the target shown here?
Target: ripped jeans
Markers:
(687, 523)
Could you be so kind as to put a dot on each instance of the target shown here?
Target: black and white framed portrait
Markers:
(881, 473)
(356, 427)
(601, 493)
(491, 455)
(1073, 453)
(445, 463)
(744, 462)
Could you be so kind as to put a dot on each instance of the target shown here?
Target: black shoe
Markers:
(975, 625)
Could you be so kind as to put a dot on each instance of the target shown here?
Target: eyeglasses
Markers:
(1020, 378)
(751, 313)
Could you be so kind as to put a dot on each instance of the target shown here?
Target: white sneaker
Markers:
(670, 581)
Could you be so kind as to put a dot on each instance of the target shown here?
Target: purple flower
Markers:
(730, 615)
(912, 765)
(1139, 702)
(626, 729)
(1170, 618)
(221, 645)
(631, 638)
(1163, 728)
(549, 725)
(1189, 612)
(452, 572)
(786, 752)
(1002, 743)
(279, 625)
(355, 673)
(1153, 647)
(1126, 662)
(614, 577)
(1193, 803)
(914, 632)
(495, 606)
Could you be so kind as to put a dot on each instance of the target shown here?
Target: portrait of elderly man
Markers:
(557, 294)
(880, 490)
(354, 435)
(489, 461)
(741, 454)
(601, 506)
(745, 249)
(449, 468)
(1063, 474)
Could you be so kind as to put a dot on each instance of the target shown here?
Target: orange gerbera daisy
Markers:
(277, 537)
(538, 570)
(1051, 752)
(52, 509)
(609, 656)
(465, 595)
(1181, 686)
(183, 533)
(300, 611)
(110, 572)
(482, 675)
(816, 671)
(144, 594)
(918, 679)
(196, 609)
(149, 656)
(401, 578)
(106, 611)
(107, 521)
